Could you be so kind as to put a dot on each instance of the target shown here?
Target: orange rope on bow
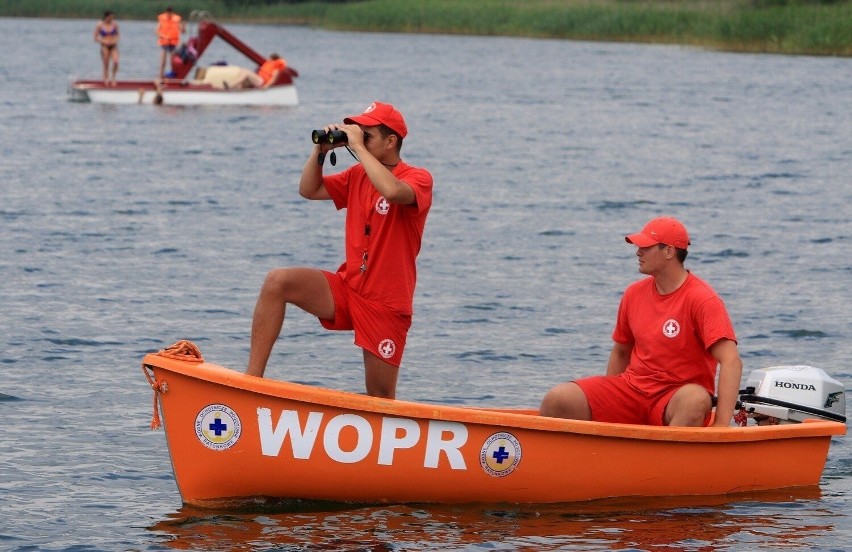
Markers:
(158, 387)
(183, 350)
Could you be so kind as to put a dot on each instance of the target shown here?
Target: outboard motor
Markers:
(792, 394)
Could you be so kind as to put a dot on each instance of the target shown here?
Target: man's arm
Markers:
(392, 189)
(618, 358)
(310, 185)
(730, 372)
(272, 80)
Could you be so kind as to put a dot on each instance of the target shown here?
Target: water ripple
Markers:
(129, 227)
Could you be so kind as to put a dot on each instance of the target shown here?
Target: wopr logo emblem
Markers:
(387, 348)
(500, 454)
(382, 206)
(217, 427)
(671, 328)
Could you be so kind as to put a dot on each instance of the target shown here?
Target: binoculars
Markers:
(330, 137)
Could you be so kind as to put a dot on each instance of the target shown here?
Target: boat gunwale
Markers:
(509, 418)
(124, 86)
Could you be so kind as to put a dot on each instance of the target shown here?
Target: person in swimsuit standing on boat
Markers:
(387, 202)
(106, 34)
(169, 28)
(671, 332)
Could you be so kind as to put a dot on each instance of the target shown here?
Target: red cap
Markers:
(667, 230)
(380, 114)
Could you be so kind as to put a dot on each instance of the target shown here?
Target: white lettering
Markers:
(801, 386)
(272, 439)
(442, 438)
(435, 444)
(331, 438)
(389, 441)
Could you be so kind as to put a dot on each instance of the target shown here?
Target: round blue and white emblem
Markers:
(500, 454)
(217, 427)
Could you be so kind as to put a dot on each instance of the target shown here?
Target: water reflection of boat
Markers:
(211, 85)
(234, 438)
(679, 523)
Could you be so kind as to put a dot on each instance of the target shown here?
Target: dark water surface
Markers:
(127, 228)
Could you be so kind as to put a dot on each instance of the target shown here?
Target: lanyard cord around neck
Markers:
(369, 212)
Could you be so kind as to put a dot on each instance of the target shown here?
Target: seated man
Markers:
(671, 332)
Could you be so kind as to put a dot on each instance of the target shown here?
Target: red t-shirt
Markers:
(393, 241)
(671, 334)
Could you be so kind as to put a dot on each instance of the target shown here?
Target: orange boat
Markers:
(235, 438)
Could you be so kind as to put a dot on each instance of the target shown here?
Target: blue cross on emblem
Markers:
(500, 454)
(218, 427)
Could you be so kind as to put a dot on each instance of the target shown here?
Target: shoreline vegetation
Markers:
(794, 27)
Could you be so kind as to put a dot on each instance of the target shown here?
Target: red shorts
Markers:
(377, 329)
(614, 399)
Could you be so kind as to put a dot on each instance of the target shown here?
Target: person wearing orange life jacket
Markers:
(169, 28)
(270, 69)
(267, 74)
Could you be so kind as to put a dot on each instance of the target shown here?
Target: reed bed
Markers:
(775, 26)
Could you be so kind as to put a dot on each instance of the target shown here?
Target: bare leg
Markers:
(688, 407)
(566, 400)
(306, 288)
(162, 63)
(114, 64)
(247, 79)
(379, 376)
(105, 61)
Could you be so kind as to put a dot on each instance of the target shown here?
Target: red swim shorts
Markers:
(614, 399)
(377, 329)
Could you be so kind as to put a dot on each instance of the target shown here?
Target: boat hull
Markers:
(233, 437)
(144, 92)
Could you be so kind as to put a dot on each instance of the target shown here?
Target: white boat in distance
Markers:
(213, 85)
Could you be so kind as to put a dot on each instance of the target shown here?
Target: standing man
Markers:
(386, 202)
(169, 28)
(671, 333)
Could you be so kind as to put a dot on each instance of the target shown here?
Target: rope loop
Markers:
(159, 386)
(182, 350)
(741, 418)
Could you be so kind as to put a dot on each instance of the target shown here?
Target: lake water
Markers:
(125, 229)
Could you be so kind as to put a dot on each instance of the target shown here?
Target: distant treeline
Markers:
(819, 27)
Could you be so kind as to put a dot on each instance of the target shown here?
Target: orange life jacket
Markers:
(269, 67)
(168, 29)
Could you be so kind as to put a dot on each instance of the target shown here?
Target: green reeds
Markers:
(778, 26)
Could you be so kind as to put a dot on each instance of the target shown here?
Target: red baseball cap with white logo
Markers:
(667, 230)
(380, 114)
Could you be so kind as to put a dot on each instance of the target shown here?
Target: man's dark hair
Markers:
(681, 253)
(386, 131)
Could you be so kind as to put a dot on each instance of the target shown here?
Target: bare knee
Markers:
(566, 400)
(275, 284)
(688, 407)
